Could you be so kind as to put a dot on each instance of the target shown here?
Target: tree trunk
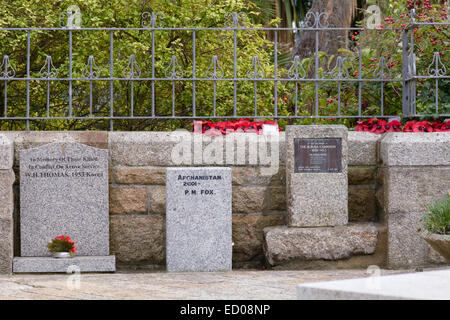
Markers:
(340, 15)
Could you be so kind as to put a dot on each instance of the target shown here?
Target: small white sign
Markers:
(269, 129)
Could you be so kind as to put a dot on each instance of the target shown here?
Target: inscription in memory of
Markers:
(66, 167)
(317, 155)
(64, 190)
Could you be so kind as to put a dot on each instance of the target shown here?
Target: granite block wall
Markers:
(6, 204)
(137, 195)
(137, 190)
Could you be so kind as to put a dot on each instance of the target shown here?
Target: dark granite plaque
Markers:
(318, 155)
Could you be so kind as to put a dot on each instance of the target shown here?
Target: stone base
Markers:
(285, 244)
(433, 285)
(50, 264)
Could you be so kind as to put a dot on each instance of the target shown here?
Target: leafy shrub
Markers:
(128, 13)
(437, 220)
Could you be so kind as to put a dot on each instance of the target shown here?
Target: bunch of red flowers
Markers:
(62, 244)
(210, 128)
(381, 126)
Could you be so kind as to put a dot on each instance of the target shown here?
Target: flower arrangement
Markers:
(210, 128)
(379, 126)
(62, 244)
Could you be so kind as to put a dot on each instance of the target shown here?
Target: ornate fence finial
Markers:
(91, 71)
(382, 72)
(255, 71)
(132, 71)
(316, 20)
(296, 71)
(174, 70)
(71, 18)
(340, 71)
(236, 20)
(217, 71)
(48, 70)
(7, 71)
(437, 67)
(154, 19)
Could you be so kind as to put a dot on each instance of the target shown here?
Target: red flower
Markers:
(224, 127)
(213, 130)
(409, 126)
(378, 126)
(442, 127)
(259, 127)
(364, 125)
(422, 126)
(393, 126)
(251, 128)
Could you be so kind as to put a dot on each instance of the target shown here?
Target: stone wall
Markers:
(137, 196)
(6, 204)
(137, 190)
(414, 172)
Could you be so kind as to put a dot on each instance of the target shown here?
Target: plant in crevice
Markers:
(437, 219)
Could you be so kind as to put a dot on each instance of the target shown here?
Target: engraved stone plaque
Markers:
(316, 175)
(64, 190)
(318, 155)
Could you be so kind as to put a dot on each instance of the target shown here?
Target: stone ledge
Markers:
(431, 285)
(415, 149)
(141, 149)
(284, 244)
(362, 148)
(26, 140)
(50, 264)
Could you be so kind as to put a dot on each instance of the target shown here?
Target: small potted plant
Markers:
(62, 247)
(437, 227)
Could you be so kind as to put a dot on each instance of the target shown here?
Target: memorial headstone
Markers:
(317, 186)
(64, 191)
(198, 219)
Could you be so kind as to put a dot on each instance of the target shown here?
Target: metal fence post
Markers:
(406, 95)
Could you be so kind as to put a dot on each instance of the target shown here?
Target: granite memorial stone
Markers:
(64, 190)
(198, 219)
(316, 173)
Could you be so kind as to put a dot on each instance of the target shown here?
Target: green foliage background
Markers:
(209, 14)
(128, 13)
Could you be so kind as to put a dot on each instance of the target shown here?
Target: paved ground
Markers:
(161, 285)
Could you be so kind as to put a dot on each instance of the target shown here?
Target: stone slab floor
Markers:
(277, 285)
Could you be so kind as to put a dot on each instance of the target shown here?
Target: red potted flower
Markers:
(62, 247)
